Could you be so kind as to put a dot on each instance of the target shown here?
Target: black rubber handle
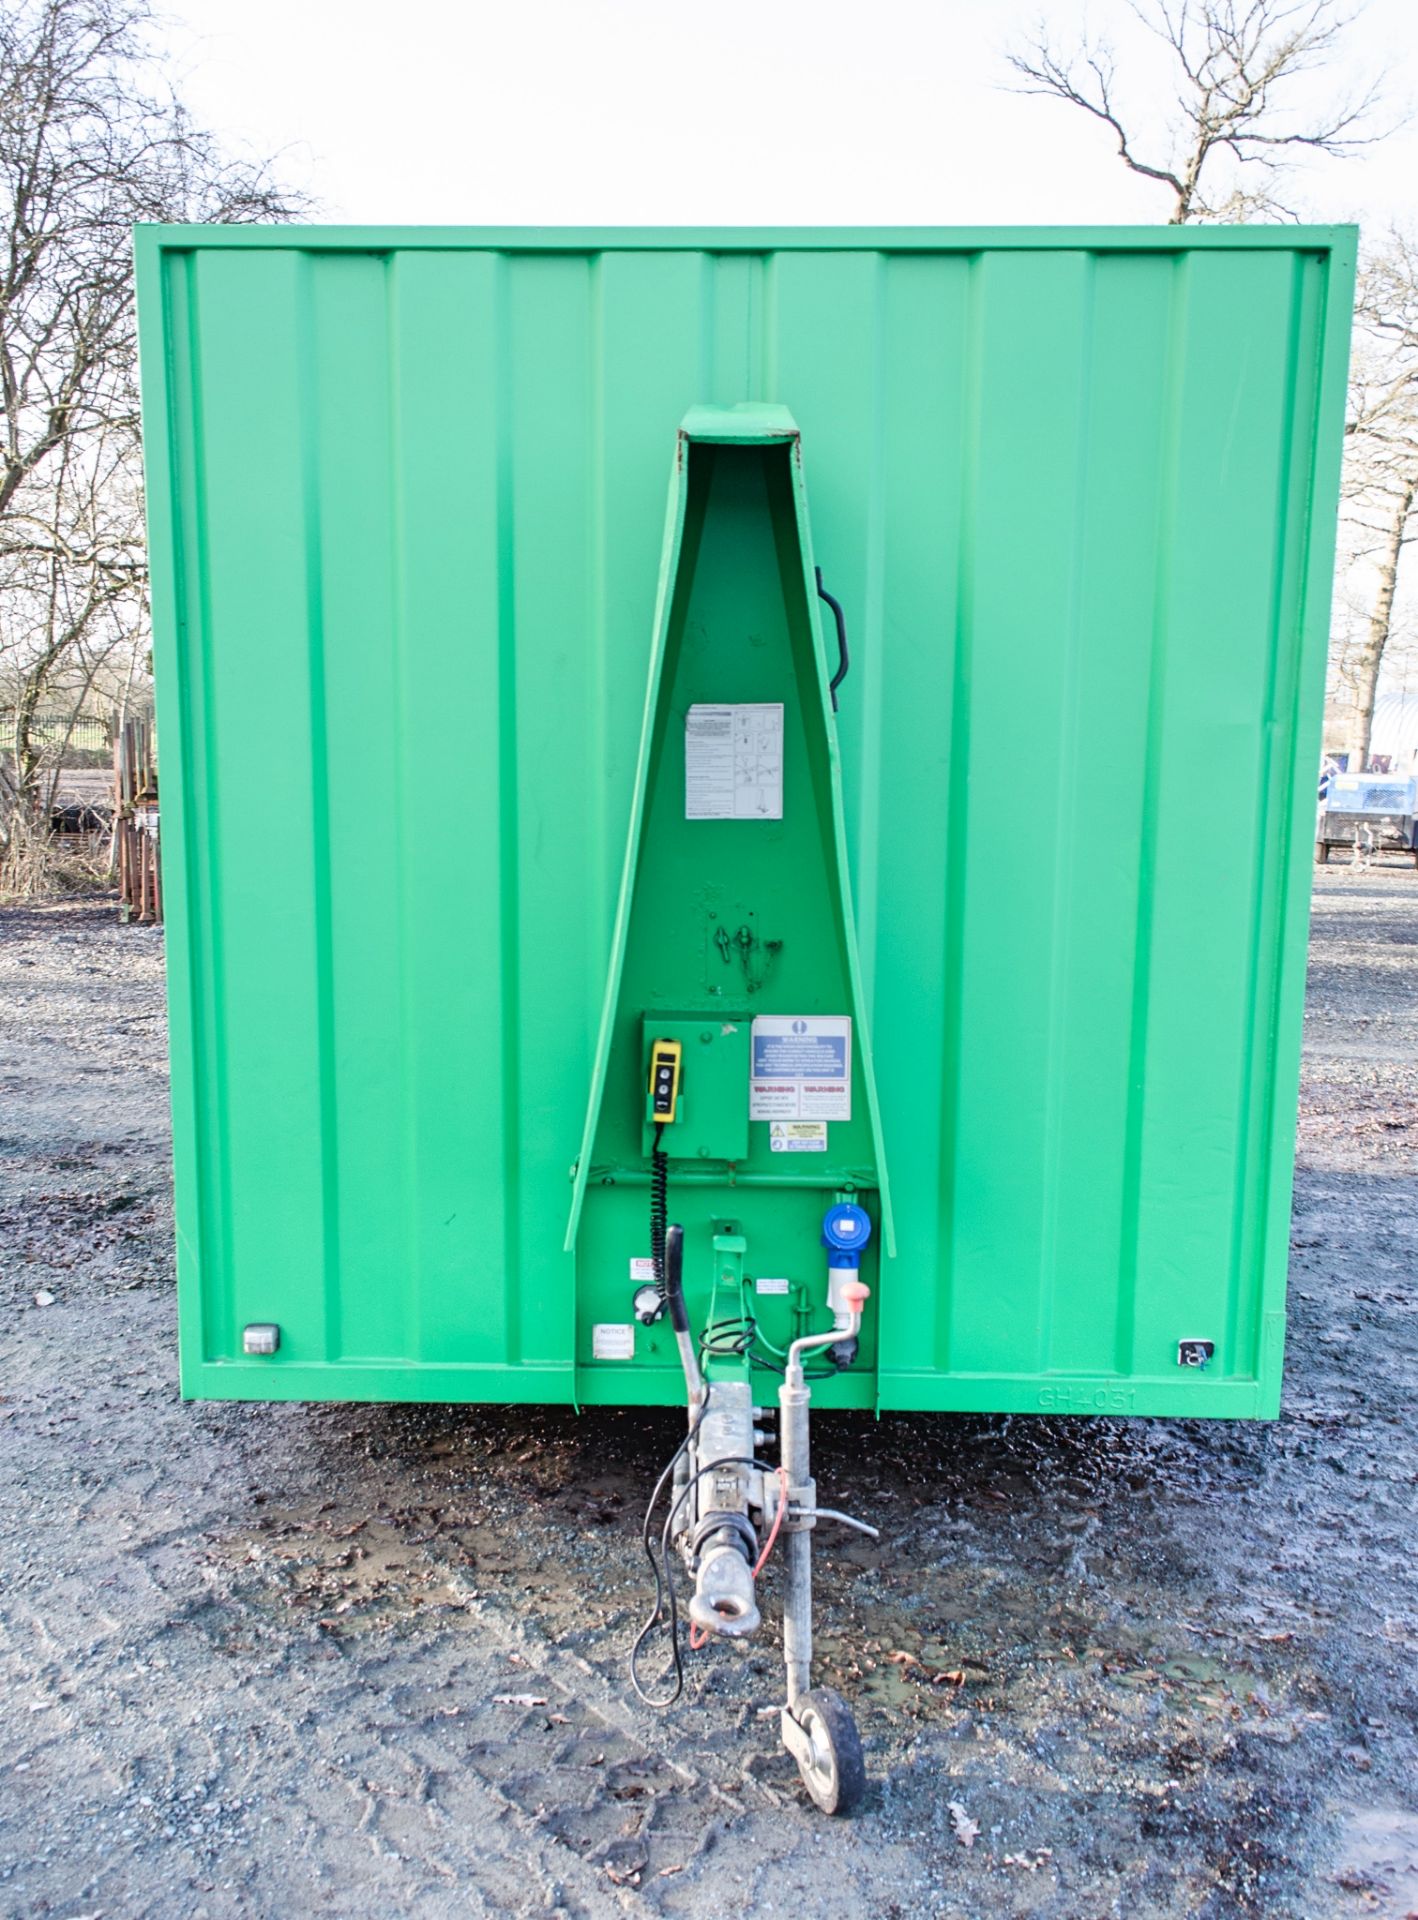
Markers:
(844, 659)
(674, 1278)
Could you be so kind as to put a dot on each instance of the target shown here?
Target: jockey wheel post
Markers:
(818, 1729)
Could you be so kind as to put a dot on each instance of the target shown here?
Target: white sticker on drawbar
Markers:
(771, 1286)
(733, 762)
(613, 1340)
(797, 1136)
(642, 1269)
(801, 1068)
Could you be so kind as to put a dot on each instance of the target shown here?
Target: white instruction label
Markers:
(613, 1341)
(798, 1136)
(771, 1286)
(801, 1068)
(642, 1269)
(733, 762)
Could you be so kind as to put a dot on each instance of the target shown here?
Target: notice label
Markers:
(798, 1136)
(642, 1269)
(733, 762)
(613, 1341)
(801, 1068)
(771, 1286)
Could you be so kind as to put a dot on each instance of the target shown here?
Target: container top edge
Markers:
(530, 239)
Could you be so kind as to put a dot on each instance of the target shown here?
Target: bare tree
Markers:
(1239, 118)
(1385, 363)
(1235, 126)
(1381, 469)
(1393, 508)
(92, 140)
(72, 600)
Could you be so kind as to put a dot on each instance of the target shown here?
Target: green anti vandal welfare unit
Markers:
(681, 759)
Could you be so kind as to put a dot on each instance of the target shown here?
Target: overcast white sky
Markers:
(744, 112)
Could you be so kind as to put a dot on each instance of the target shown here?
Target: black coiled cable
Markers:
(659, 1209)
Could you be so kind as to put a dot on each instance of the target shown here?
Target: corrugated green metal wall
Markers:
(407, 493)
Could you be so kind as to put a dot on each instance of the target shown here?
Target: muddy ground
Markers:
(371, 1660)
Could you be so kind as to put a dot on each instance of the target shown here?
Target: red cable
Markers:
(777, 1521)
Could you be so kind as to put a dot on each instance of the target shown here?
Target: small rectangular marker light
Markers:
(262, 1336)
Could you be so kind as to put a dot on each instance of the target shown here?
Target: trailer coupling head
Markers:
(722, 1545)
(723, 1600)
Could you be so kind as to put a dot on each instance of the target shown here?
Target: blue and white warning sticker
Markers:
(801, 1067)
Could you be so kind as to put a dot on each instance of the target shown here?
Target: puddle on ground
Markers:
(1377, 1861)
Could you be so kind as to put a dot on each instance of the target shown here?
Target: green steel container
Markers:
(434, 670)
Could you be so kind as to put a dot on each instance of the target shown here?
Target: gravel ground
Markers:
(365, 1660)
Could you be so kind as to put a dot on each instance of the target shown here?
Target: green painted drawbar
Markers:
(501, 766)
